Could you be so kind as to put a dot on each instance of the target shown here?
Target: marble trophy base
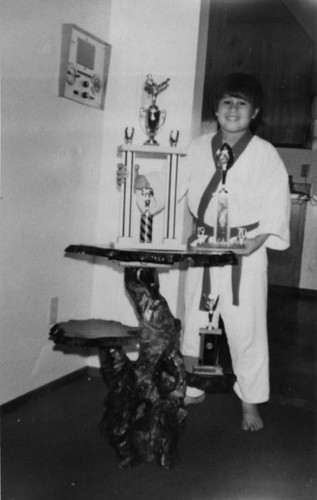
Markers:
(165, 244)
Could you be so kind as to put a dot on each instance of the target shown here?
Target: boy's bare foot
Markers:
(251, 420)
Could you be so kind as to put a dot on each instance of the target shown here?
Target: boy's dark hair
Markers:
(240, 85)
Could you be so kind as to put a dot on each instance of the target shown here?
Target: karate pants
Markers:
(245, 324)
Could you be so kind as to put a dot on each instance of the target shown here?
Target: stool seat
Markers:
(94, 333)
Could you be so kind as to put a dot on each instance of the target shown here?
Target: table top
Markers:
(139, 257)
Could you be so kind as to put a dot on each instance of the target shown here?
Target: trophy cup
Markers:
(152, 118)
(209, 343)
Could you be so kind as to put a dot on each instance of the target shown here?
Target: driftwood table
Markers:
(144, 407)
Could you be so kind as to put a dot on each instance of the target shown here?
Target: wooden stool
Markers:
(145, 412)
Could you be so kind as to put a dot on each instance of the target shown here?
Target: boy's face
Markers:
(235, 114)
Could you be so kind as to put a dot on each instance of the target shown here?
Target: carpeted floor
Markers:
(52, 449)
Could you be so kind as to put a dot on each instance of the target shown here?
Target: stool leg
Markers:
(120, 402)
(159, 370)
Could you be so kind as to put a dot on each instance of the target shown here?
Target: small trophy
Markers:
(152, 118)
(224, 161)
(209, 343)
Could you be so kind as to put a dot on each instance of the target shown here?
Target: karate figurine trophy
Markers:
(224, 238)
(209, 343)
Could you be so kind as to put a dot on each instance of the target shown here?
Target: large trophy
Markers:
(152, 118)
(224, 237)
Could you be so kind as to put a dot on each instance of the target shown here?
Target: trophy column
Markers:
(171, 199)
(126, 199)
(127, 189)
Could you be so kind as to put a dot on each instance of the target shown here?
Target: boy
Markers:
(259, 201)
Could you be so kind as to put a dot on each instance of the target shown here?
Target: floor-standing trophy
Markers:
(152, 118)
(209, 343)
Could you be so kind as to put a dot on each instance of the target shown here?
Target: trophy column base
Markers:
(173, 243)
(208, 370)
(132, 244)
(125, 242)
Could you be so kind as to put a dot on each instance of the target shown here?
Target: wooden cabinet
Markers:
(285, 266)
(264, 39)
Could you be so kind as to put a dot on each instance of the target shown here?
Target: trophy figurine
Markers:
(209, 342)
(152, 118)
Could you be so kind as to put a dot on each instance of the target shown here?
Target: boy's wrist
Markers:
(253, 244)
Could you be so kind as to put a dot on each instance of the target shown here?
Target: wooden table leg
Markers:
(144, 407)
(145, 411)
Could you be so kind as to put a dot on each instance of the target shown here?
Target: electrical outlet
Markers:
(53, 311)
(305, 170)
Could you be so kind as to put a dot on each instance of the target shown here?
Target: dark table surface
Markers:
(156, 257)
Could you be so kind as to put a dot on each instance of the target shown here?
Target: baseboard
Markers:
(16, 403)
(292, 291)
(93, 371)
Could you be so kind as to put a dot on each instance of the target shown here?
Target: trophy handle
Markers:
(128, 135)
(174, 136)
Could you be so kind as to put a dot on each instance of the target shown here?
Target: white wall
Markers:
(53, 192)
(153, 37)
(51, 150)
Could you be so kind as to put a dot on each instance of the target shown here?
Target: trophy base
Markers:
(166, 244)
(217, 248)
(151, 142)
(208, 370)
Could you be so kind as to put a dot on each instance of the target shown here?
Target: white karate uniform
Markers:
(258, 191)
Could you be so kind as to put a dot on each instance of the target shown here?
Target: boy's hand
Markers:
(140, 181)
(252, 244)
(122, 174)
